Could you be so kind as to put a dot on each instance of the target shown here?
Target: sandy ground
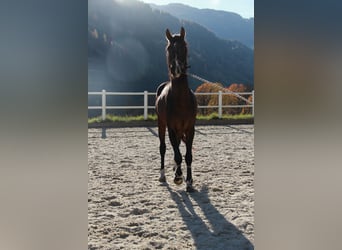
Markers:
(128, 208)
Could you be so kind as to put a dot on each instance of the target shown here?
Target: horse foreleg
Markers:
(188, 159)
(175, 141)
(162, 150)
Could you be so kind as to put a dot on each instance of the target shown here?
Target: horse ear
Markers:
(182, 33)
(168, 35)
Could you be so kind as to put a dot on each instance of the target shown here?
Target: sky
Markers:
(244, 8)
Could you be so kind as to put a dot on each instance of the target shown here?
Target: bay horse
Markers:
(176, 108)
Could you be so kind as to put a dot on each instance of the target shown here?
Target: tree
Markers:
(227, 98)
(248, 110)
(208, 100)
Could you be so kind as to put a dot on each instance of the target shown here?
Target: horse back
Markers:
(160, 88)
(161, 102)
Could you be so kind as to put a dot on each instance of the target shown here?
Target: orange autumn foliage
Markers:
(227, 99)
(207, 100)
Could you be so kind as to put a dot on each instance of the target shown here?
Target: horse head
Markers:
(176, 53)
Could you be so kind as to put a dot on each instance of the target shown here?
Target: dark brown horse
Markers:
(176, 107)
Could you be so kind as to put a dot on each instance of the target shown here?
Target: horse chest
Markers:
(179, 103)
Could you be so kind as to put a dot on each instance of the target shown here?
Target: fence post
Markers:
(103, 105)
(145, 104)
(253, 103)
(220, 104)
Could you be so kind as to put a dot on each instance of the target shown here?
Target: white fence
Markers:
(145, 107)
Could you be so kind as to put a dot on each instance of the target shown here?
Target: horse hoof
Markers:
(190, 189)
(162, 179)
(178, 180)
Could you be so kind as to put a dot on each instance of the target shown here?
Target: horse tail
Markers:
(184, 139)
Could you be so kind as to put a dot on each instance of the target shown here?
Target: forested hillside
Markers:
(126, 49)
(227, 25)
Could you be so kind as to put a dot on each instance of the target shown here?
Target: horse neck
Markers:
(180, 83)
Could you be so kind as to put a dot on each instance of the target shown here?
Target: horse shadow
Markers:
(212, 232)
(104, 134)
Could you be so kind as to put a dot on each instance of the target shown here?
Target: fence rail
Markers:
(145, 107)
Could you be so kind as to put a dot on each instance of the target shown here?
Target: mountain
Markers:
(126, 49)
(227, 25)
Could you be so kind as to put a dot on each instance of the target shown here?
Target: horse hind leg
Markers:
(162, 150)
(188, 159)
